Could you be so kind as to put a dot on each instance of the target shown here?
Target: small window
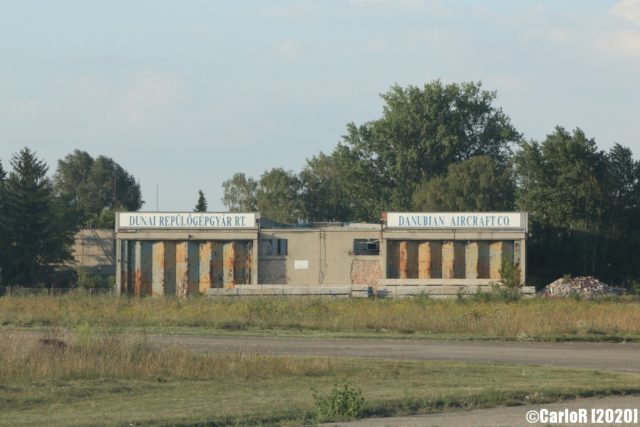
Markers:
(366, 247)
(273, 247)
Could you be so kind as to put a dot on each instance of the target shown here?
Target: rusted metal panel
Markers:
(216, 265)
(239, 267)
(459, 263)
(169, 268)
(393, 259)
(124, 267)
(436, 259)
(182, 269)
(412, 259)
(204, 267)
(472, 260)
(448, 260)
(365, 272)
(137, 269)
(158, 276)
(146, 263)
(483, 259)
(248, 263)
(193, 268)
(228, 264)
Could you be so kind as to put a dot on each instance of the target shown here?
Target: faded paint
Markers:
(217, 278)
(182, 269)
(472, 260)
(403, 259)
(204, 267)
(228, 264)
(448, 271)
(158, 265)
(366, 272)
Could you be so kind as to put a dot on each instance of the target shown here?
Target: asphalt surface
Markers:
(516, 415)
(606, 356)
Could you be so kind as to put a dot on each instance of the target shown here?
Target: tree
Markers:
(278, 196)
(96, 188)
(4, 246)
(476, 184)
(240, 193)
(201, 206)
(561, 184)
(422, 132)
(36, 226)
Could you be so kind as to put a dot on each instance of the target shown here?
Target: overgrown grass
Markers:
(89, 378)
(537, 318)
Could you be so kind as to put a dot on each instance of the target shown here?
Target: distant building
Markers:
(174, 253)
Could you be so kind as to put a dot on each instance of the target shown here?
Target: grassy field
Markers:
(91, 378)
(537, 319)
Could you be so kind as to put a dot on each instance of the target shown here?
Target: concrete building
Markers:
(235, 254)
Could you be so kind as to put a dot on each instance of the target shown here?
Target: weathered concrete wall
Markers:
(317, 256)
(95, 249)
(451, 259)
(183, 267)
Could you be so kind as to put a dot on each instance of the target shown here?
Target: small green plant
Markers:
(344, 402)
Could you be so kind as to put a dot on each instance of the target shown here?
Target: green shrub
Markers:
(344, 402)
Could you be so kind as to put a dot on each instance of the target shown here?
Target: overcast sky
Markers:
(185, 93)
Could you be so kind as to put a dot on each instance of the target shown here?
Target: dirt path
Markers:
(610, 356)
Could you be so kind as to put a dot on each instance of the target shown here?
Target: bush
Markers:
(342, 403)
(86, 279)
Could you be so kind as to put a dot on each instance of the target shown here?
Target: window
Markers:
(273, 247)
(366, 247)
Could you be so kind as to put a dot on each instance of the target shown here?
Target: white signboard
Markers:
(185, 220)
(301, 264)
(465, 220)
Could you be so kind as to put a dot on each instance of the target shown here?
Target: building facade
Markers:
(183, 254)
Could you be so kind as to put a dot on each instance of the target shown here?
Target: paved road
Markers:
(610, 356)
(504, 416)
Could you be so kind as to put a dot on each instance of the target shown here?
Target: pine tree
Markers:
(3, 236)
(201, 206)
(37, 230)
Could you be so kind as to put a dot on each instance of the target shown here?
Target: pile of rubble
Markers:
(585, 286)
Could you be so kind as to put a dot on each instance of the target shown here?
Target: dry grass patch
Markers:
(617, 318)
(99, 378)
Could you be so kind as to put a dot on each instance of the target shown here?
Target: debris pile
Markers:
(584, 286)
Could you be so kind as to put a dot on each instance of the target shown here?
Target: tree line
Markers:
(447, 147)
(39, 215)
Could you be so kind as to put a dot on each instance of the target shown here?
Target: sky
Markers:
(183, 94)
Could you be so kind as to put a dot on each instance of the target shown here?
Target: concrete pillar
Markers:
(448, 260)
(430, 260)
(499, 251)
(403, 260)
(228, 264)
(472, 260)
(182, 269)
(204, 267)
(158, 276)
